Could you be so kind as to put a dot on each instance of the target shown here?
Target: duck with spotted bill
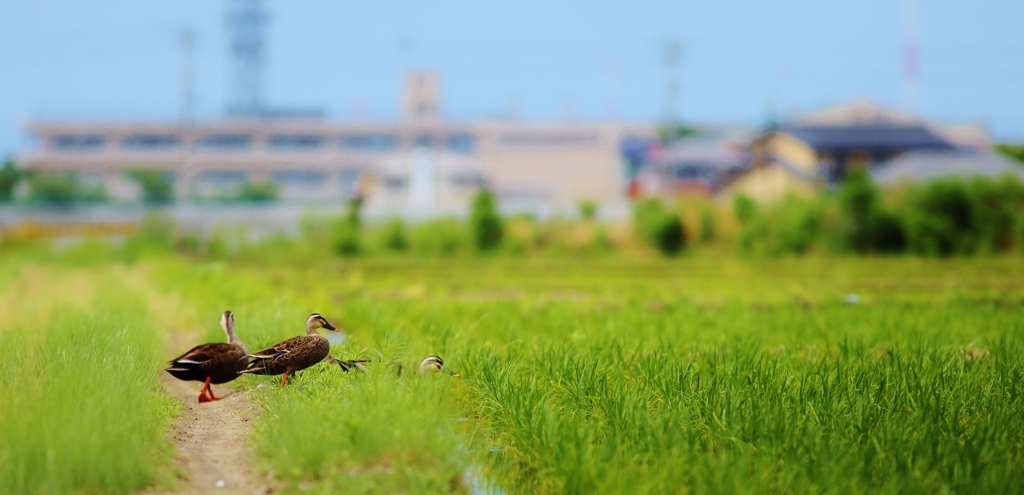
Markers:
(294, 354)
(215, 363)
(434, 364)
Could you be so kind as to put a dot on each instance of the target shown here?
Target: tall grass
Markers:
(82, 411)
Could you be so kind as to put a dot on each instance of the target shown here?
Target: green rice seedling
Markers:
(363, 432)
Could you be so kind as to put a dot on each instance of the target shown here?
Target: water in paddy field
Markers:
(474, 478)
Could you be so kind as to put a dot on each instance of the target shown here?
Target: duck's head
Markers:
(316, 322)
(435, 364)
(227, 322)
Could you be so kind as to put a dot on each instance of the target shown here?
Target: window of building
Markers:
(370, 142)
(150, 142)
(394, 184)
(224, 142)
(78, 142)
(295, 141)
(222, 177)
(425, 141)
(553, 138)
(305, 178)
(461, 143)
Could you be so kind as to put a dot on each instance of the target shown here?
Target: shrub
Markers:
(393, 237)
(485, 221)
(997, 204)
(659, 226)
(588, 210)
(441, 237)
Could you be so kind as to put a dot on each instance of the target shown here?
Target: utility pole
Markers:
(672, 58)
(911, 53)
(186, 43)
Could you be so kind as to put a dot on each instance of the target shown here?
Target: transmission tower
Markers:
(673, 56)
(246, 22)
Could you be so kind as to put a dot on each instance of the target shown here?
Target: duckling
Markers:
(294, 354)
(215, 362)
(435, 364)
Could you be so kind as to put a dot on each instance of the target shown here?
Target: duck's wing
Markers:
(201, 354)
(279, 349)
(189, 365)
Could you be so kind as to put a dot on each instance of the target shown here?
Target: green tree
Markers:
(258, 191)
(1012, 151)
(346, 232)
(9, 177)
(157, 185)
(871, 226)
(485, 221)
(62, 188)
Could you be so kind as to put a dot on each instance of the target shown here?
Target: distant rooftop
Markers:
(868, 124)
(926, 165)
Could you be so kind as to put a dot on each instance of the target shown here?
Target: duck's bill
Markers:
(329, 326)
(450, 372)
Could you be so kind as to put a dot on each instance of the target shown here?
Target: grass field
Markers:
(578, 376)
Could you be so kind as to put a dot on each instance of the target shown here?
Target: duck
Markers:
(434, 364)
(349, 364)
(215, 363)
(294, 354)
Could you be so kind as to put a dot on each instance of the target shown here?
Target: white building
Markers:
(421, 161)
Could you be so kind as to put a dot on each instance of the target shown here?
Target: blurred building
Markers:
(818, 149)
(926, 165)
(697, 164)
(422, 161)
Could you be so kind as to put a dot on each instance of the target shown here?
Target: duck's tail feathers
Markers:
(353, 364)
(185, 370)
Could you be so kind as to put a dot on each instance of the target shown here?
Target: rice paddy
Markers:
(604, 375)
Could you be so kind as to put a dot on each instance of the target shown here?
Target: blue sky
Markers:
(119, 59)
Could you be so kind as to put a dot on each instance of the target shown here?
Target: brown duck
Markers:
(294, 354)
(212, 363)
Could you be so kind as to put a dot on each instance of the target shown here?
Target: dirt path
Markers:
(211, 442)
(213, 455)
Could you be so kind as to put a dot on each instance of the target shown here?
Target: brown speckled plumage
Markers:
(294, 354)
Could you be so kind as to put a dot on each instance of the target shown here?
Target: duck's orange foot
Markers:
(204, 398)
